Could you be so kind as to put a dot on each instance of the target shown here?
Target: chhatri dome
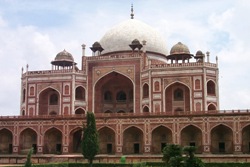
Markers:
(120, 37)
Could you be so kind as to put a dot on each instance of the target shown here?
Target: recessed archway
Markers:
(75, 140)
(107, 140)
(192, 136)
(161, 136)
(49, 100)
(53, 141)
(177, 98)
(133, 141)
(28, 139)
(222, 140)
(6, 139)
(246, 140)
(113, 92)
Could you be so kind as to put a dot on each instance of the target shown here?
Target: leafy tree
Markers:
(28, 162)
(191, 160)
(172, 155)
(90, 140)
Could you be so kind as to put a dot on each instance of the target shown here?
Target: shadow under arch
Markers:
(49, 101)
(177, 97)
(6, 141)
(133, 140)
(75, 139)
(113, 84)
(222, 139)
(192, 136)
(161, 136)
(53, 141)
(28, 139)
(107, 140)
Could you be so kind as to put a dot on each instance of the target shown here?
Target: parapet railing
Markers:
(44, 72)
(191, 64)
(147, 114)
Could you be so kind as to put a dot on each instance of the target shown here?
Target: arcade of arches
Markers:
(132, 139)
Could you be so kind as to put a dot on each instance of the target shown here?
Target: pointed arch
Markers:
(75, 140)
(177, 97)
(161, 136)
(116, 85)
(191, 135)
(222, 137)
(79, 111)
(6, 141)
(80, 93)
(28, 139)
(132, 140)
(246, 139)
(107, 140)
(145, 109)
(145, 91)
(211, 88)
(53, 141)
(211, 107)
(49, 100)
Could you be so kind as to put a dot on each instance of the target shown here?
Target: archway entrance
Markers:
(75, 141)
(177, 97)
(192, 136)
(107, 141)
(49, 100)
(246, 140)
(161, 136)
(132, 141)
(53, 141)
(28, 139)
(114, 93)
(222, 140)
(6, 138)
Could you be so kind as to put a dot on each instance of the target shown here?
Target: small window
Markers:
(108, 96)
(53, 100)
(24, 94)
(145, 91)
(178, 95)
(210, 88)
(121, 96)
(80, 93)
(145, 109)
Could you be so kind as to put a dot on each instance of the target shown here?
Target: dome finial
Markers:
(132, 12)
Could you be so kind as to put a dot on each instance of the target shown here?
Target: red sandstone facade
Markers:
(142, 99)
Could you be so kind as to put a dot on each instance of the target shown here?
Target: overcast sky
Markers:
(34, 31)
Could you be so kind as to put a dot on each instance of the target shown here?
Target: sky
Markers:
(33, 31)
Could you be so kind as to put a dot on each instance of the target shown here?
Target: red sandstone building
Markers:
(142, 95)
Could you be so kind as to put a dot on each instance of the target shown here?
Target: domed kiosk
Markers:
(63, 59)
(179, 52)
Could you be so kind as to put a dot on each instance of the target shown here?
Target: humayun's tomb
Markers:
(143, 97)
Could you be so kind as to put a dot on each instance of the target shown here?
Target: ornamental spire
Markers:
(132, 12)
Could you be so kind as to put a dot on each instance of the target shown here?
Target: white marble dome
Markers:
(120, 37)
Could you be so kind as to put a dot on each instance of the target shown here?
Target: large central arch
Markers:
(113, 93)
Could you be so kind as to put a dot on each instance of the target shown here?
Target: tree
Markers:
(191, 160)
(172, 155)
(90, 140)
(28, 162)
